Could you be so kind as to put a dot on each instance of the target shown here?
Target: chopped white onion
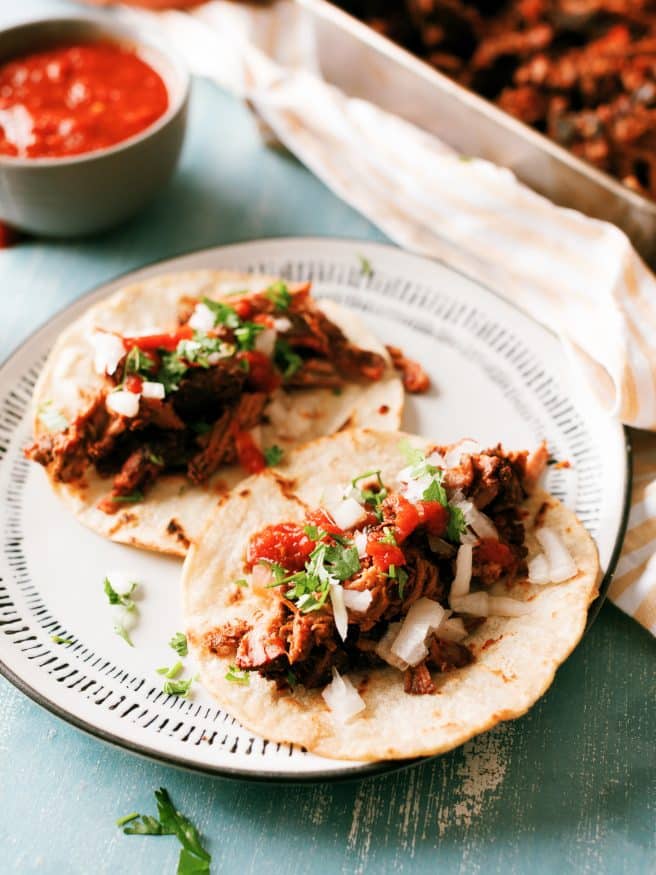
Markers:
(347, 513)
(440, 546)
(453, 455)
(538, 569)
(108, 351)
(282, 324)
(561, 564)
(202, 319)
(352, 492)
(414, 490)
(462, 580)
(360, 540)
(265, 342)
(153, 390)
(501, 606)
(424, 615)
(261, 578)
(339, 609)
(474, 603)
(123, 403)
(451, 629)
(121, 582)
(342, 698)
(124, 618)
(435, 459)
(480, 523)
(384, 647)
(357, 600)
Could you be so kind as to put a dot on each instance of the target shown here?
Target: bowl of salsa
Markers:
(92, 122)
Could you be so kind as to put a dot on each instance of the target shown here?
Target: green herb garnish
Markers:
(130, 498)
(285, 359)
(194, 859)
(457, 525)
(155, 458)
(241, 582)
(402, 579)
(177, 687)
(246, 334)
(372, 497)
(365, 266)
(224, 314)
(127, 819)
(279, 295)
(326, 565)
(388, 537)
(123, 599)
(179, 644)
(123, 633)
(51, 417)
(436, 492)
(273, 455)
(172, 672)
(58, 639)
(237, 677)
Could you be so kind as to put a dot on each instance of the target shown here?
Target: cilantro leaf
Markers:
(412, 455)
(237, 677)
(436, 492)
(224, 314)
(130, 498)
(402, 579)
(241, 582)
(51, 417)
(172, 672)
(58, 639)
(285, 359)
(246, 334)
(314, 533)
(365, 266)
(177, 687)
(179, 643)
(279, 295)
(388, 537)
(457, 525)
(193, 859)
(124, 600)
(273, 455)
(137, 362)
(171, 371)
(123, 633)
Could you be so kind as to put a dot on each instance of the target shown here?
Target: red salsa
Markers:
(75, 99)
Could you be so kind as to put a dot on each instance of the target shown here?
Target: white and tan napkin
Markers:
(578, 275)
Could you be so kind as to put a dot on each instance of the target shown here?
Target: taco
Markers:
(173, 389)
(382, 597)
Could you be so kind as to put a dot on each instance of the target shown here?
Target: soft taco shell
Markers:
(170, 517)
(510, 673)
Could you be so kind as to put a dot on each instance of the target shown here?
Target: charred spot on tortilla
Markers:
(383, 409)
(125, 519)
(175, 529)
(244, 493)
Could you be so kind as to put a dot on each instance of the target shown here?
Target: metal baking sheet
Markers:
(364, 64)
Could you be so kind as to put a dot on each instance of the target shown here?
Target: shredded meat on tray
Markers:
(306, 642)
(581, 71)
(212, 398)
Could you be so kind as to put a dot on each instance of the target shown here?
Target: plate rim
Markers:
(349, 773)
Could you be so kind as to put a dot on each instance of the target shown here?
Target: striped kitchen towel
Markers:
(577, 275)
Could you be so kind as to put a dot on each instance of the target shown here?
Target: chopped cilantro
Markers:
(194, 859)
(365, 266)
(245, 365)
(416, 460)
(130, 498)
(436, 492)
(179, 644)
(279, 295)
(177, 687)
(285, 359)
(51, 417)
(172, 672)
(314, 533)
(171, 371)
(137, 362)
(123, 633)
(388, 537)
(124, 600)
(224, 314)
(58, 639)
(246, 334)
(273, 455)
(237, 677)
(372, 497)
(155, 458)
(199, 350)
(457, 525)
(337, 391)
(292, 680)
(241, 582)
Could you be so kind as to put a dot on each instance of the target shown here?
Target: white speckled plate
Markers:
(497, 375)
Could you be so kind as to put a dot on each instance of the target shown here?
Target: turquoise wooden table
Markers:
(570, 787)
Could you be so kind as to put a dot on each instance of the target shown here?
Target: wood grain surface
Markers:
(571, 787)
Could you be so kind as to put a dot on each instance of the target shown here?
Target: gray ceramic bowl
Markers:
(62, 197)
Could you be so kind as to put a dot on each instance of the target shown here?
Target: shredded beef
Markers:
(417, 680)
(262, 647)
(224, 641)
(446, 655)
(204, 393)
(415, 378)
